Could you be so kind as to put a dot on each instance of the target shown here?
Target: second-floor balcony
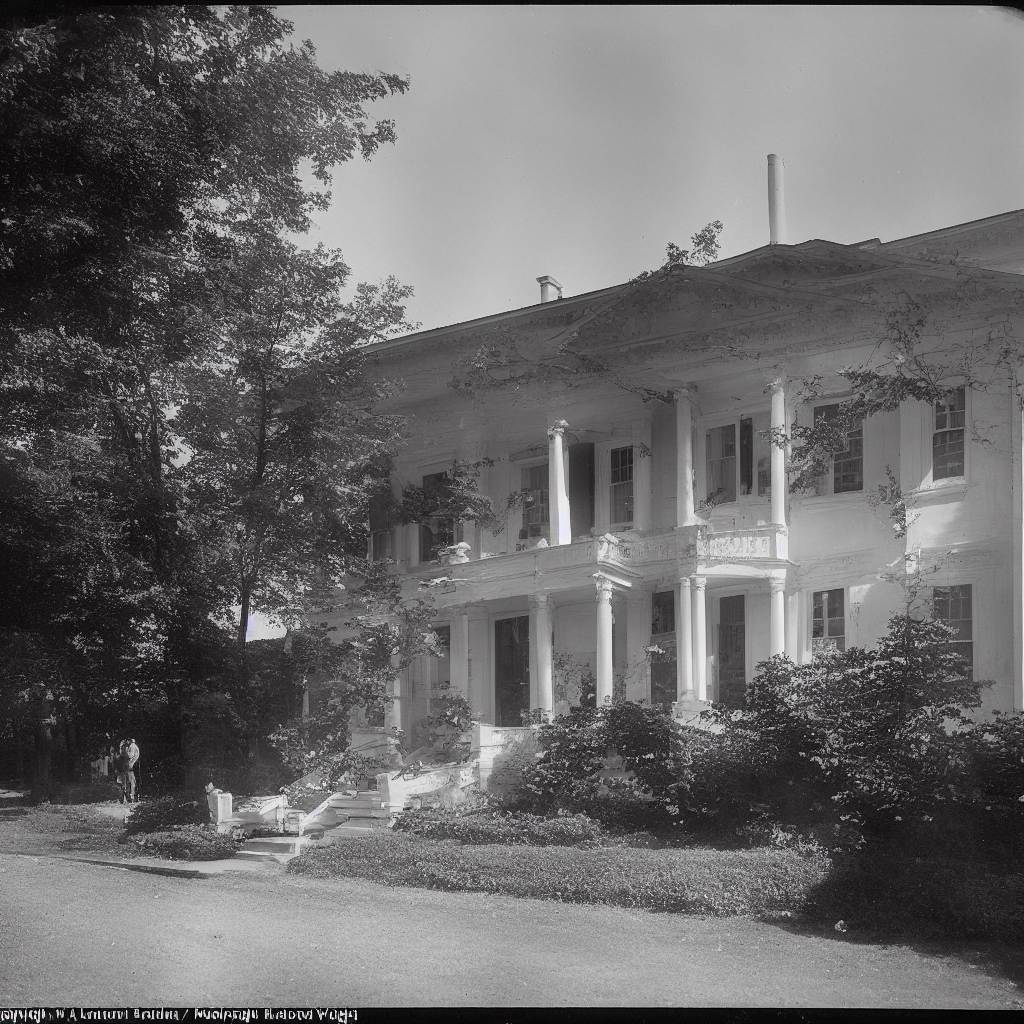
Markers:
(699, 549)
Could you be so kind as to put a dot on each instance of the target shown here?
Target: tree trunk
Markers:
(19, 753)
(41, 783)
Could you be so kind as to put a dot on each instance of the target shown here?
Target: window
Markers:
(440, 668)
(721, 463)
(437, 532)
(663, 613)
(621, 491)
(536, 510)
(948, 436)
(828, 620)
(848, 464)
(743, 469)
(952, 605)
(380, 528)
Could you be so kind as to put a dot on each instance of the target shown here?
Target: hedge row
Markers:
(685, 881)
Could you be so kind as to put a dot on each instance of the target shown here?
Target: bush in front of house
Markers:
(879, 894)
(683, 881)
(497, 827)
(164, 813)
(187, 842)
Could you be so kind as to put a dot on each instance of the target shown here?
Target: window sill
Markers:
(830, 502)
(939, 493)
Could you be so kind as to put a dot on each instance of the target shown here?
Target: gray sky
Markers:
(577, 141)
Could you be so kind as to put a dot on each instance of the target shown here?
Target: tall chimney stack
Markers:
(776, 201)
(549, 288)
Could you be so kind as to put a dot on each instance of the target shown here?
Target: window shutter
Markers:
(581, 488)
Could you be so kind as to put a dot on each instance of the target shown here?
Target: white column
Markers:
(638, 636)
(642, 459)
(792, 627)
(684, 640)
(778, 616)
(393, 715)
(412, 544)
(700, 639)
(604, 642)
(779, 483)
(542, 688)
(481, 693)
(685, 515)
(459, 654)
(558, 493)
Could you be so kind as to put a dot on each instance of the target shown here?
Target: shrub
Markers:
(684, 881)
(188, 842)
(926, 898)
(507, 828)
(164, 813)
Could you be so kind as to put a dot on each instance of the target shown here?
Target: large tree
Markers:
(148, 155)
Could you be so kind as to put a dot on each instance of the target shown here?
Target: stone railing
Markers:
(499, 753)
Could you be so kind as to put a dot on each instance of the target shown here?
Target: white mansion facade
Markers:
(656, 538)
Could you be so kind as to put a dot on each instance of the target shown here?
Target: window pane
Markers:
(746, 455)
(536, 519)
(663, 613)
(948, 438)
(847, 465)
(828, 620)
(621, 491)
(721, 463)
(953, 605)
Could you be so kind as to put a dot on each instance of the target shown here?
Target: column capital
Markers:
(557, 429)
(700, 582)
(539, 600)
(777, 384)
(604, 587)
(684, 581)
(684, 392)
(776, 586)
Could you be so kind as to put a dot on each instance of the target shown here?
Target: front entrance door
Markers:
(511, 670)
(732, 650)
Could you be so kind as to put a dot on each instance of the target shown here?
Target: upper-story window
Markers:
(738, 459)
(950, 414)
(536, 508)
(847, 465)
(381, 533)
(620, 494)
(438, 532)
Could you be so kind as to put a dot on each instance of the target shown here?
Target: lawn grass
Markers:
(691, 881)
(875, 897)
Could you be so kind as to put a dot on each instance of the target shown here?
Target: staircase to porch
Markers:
(340, 815)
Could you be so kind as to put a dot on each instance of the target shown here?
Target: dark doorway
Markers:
(732, 650)
(511, 670)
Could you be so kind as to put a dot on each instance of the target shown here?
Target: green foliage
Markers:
(573, 747)
(184, 425)
(165, 812)
(188, 842)
(922, 898)
(457, 496)
(869, 730)
(681, 881)
(509, 828)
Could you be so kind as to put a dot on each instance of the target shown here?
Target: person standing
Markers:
(133, 770)
(121, 767)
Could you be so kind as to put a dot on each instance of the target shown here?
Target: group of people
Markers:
(126, 767)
